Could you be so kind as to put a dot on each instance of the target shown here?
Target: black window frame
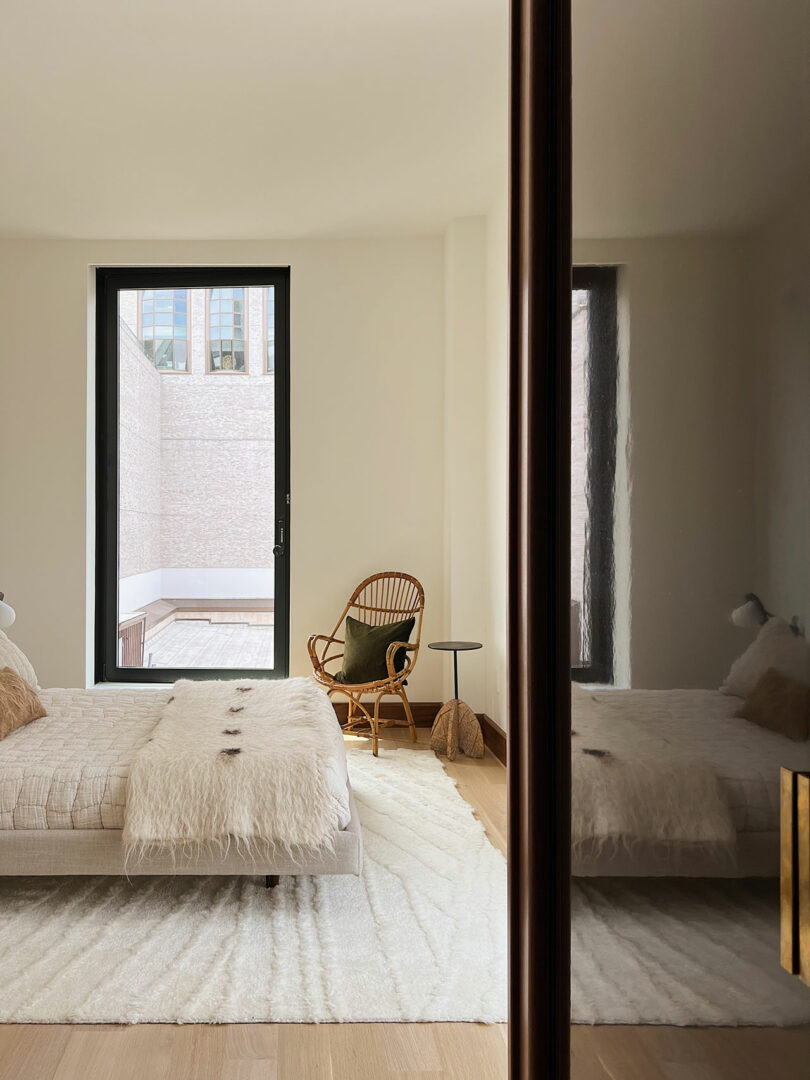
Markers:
(601, 282)
(109, 282)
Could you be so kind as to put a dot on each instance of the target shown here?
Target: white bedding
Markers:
(745, 757)
(69, 769)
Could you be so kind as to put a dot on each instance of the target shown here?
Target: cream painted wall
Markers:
(495, 429)
(476, 335)
(686, 334)
(782, 420)
(368, 316)
(367, 345)
(467, 583)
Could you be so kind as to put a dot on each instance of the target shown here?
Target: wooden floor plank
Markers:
(469, 1050)
(249, 1070)
(677, 1053)
(411, 1050)
(197, 1052)
(252, 1042)
(357, 1050)
(585, 1062)
(31, 1052)
(304, 1050)
(127, 1052)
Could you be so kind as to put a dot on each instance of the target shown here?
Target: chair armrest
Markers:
(391, 652)
(312, 646)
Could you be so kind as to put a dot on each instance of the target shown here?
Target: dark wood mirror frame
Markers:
(539, 765)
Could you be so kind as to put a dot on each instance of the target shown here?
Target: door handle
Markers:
(280, 547)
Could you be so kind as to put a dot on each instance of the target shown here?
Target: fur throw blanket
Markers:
(242, 760)
(629, 785)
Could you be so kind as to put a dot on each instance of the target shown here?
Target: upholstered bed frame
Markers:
(63, 793)
(46, 852)
(754, 855)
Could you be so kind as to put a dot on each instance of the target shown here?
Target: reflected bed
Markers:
(746, 760)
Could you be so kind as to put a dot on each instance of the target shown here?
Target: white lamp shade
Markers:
(747, 615)
(7, 615)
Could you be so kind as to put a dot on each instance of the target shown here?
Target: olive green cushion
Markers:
(365, 648)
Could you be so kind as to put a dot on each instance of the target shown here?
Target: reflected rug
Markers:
(681, 951)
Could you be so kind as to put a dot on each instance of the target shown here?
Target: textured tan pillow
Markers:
(781, 704)
(19, 702)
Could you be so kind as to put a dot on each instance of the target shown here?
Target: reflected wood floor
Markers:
(401, 1051)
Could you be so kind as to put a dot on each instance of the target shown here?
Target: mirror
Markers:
(690, 503)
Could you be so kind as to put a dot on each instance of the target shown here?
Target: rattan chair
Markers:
(380, 599)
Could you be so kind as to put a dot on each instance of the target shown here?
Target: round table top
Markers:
(455, 646)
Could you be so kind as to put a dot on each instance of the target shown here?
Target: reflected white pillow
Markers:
(775, 646)
(15, 658)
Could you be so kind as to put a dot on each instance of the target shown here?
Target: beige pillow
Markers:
(775, 646)
(780, 704)
(19, 702)
(12, 656)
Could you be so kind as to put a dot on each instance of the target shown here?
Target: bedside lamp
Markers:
(750, 614)
(7, 614)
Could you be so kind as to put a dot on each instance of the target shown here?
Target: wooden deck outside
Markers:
(200, 643)
(203, 633)
(161, 613)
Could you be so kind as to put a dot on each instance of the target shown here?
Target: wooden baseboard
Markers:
(494, 737)
(424, 713)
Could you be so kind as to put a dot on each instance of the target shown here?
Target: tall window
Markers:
(193, 495)
(594, 370)
(164, 327)
(226, 329)
(270, 329)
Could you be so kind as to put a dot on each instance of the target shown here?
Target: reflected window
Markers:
(594, 372)
(164, 328)
(226, 329)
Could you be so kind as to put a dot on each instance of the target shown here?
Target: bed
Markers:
(63, 795)
(746, 760)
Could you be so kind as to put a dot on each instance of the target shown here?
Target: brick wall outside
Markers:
(140, 455)
(197, 455)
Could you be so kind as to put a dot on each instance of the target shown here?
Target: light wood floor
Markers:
(401, 1051)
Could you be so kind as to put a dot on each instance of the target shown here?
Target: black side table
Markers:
(456, 726)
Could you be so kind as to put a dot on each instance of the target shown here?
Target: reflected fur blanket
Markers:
(629, 785)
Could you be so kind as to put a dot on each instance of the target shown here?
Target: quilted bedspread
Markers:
(69, 769)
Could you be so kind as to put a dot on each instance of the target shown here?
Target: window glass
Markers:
(226, 329)
(164, 328)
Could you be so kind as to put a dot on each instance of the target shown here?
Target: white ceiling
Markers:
(248, 118)
(262, 119)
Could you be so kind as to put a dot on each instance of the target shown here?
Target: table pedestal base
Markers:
(456, 728)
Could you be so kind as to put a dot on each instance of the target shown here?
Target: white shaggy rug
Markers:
(421, 936)
(681, 951)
